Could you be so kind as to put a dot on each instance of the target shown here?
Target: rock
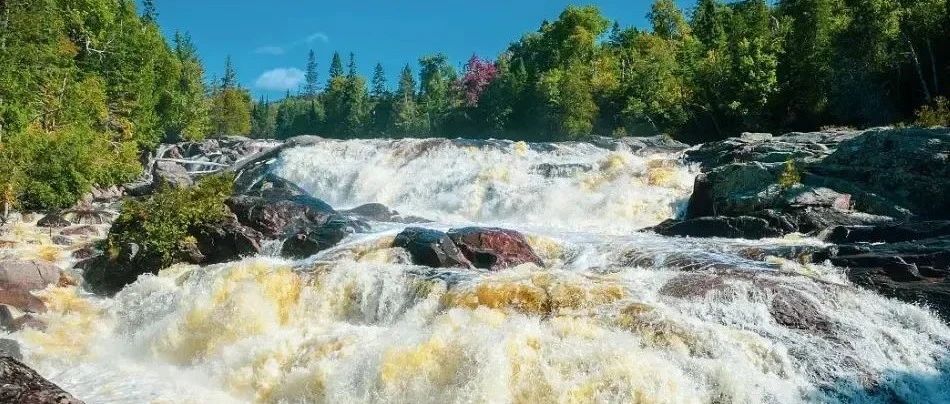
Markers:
(915, 271)
(280, 217)
(20, 384)
(107, 274)
(27, 275)
(170, 174)
(6, 318)
(888, 232)
(28, 321)
(431, 248)
(84, 252)
(53, 220)
(10, 348)
(312, 240)
(793, 309)
(765, 148)
(494, 248)
(908, 167)
(719, 226)
(226, 241)
(377, 212)
(549, 170)
(22, 300)
(81, 230)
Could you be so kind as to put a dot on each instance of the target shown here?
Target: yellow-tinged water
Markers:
(605, 321)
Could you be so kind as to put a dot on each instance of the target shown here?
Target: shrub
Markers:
(789, 176)
(934, 115)
(160, 224)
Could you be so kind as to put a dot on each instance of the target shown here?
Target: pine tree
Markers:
(149, 13)
(230, 75)
(311, 86)
(379, 82)
(336, 66)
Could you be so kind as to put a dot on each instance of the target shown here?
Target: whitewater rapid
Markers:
(616, 316)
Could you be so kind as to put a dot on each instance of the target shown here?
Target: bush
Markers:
(45, 171)
(789, 177)
(934, 115)
(160, 224)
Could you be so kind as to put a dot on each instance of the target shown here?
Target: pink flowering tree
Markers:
(479, 73)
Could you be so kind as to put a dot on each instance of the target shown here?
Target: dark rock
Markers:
(719, 226)
(54, 220)
(914, 271)
(84, 252)
(549, 170)
(887, 233)
(6, 318)
(765, 148)
(280, 217)
(431, 248)
(27, 275)
(377, 212)
(226, 241)
(22, 385)
(312, 240)
(59, 239)
(10, 348)
(108, 273)
(494, 248)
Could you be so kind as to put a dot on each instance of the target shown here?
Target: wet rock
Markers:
(10, 348)
(226, 241)
(27, 275)
(108, 273)
(747, 227)
(915, 271)
(312, 240)
(378, 212)
(693, 285)
(493, 248)
(85, 252)
(888, 232)
(20, 384)
(549, 170)
(81, 230)
(53, 220)
(431, 248)
(22, 300)
(793, 309)
(28, 321)
(6, 318)
(278, 217)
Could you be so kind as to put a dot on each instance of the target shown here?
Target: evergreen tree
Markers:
(336, 66)
(229, 80)
(379, 82)
(311, 83)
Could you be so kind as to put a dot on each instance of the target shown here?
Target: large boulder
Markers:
(27, 275)
(431, 248)
(280, 217)
(493, 248)
(765, 148)
(908, 167)
(22, 385)
(170, 174)
(226, 240)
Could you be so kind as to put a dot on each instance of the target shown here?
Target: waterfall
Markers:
(617, 315)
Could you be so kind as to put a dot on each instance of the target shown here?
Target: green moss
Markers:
(160, 224)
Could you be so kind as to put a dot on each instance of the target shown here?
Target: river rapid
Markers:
(616, 315)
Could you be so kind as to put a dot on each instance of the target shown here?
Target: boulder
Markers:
(170, 174)
(11, 348)
(311, 240)
(765, 148)
(377, 212)
(747, 227)
(81, 230)
(887, 232)
(107, 274)
(6, 318)
(226, 240)
(431, 248)
(53, 220)
(27, 275)
(22, 300)
(280, 217)
(908, 167)
(20, 384)
(493, 248)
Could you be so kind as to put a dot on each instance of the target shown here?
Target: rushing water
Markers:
(616, 315)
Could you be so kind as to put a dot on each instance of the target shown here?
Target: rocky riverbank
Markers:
(881, 197)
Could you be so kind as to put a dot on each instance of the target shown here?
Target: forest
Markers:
(89, 86)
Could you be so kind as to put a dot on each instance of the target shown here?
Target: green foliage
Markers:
(160, 224)
(790, 176)
(231, 112)
(937, 114)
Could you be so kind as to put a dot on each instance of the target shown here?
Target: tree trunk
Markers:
(933, 66)
(920, 72)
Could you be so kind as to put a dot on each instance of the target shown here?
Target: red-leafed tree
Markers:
(479, 73)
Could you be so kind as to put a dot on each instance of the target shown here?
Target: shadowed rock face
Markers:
(20, 384)
(431, 248)
(494, 248)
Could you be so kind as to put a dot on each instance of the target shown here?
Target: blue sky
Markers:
(269, 40)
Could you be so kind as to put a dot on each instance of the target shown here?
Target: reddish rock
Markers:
(431, 248)
(494, 248)
(27, 275)
(22, 300)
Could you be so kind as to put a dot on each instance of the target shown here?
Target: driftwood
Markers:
(20, 384)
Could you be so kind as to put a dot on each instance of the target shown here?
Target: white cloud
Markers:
(270, 50)
(280, 79)
(317, 36)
